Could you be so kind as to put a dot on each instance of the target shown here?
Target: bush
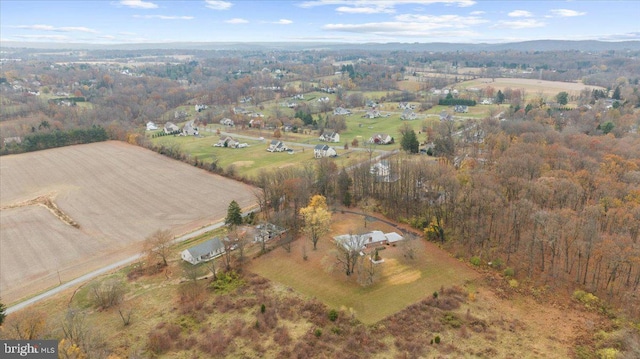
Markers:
(513, 283)
(333, 315)
(509, 272)
(317, 332)
(475, 261)
(436, 339)
(263, 308)
(586, 298)
(108, 293)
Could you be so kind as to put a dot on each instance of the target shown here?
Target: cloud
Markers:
(218, 5)
(283, 22)
(376, 6)
(139, 4)
(415, 26)
(365, 10)
(621, 37)
(237, 20)
(44, 37)
(164, 17)
(520, 13)
(476, 13)
(520, 24)
(566, 13)
(41, 27)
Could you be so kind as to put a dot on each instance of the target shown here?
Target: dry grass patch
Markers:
(401, 283)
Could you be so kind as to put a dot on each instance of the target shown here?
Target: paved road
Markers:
(103, 270)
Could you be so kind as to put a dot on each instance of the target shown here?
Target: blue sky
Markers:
(356, 21)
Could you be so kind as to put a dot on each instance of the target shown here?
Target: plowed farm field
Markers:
(67, 211)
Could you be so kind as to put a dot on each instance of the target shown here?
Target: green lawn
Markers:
(249, 161)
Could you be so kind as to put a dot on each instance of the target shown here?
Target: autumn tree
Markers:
(317, 218)
(158, 246)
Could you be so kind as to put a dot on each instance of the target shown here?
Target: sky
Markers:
(345, 21)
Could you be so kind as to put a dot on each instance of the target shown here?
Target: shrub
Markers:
(509, 272)
(497, 263)
(317, 332)
(333, 315)
(436, 339)
(108, 293)
(452, 320)
(262, 308)
(586, 298)
(475, 261)
(513, 283)
(435, 295)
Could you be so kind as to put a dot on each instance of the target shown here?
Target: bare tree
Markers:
(108, 293)
(349, 252)
(27, 324)
(158, 245)
(367, 272)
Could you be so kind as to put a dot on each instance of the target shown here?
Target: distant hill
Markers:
(537, 45)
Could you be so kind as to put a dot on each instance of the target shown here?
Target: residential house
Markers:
(227, 141)
(203, 252)
(339, 111)
(486, 101)
(200, 108)
(171, 127)
(382, 172)
(367, 240)
(330, 137)
(240, 111)
(298, 97)
(371, 103)
(227, 122)
(190, 129)
(461, 108)
(406, 106)
(255, 123)
(151, 126)
(408, 115)
(445, 116)
(276, 146)
(321, 151)
(267, 231)
(381, 139)
(372, 113)
(323, 99)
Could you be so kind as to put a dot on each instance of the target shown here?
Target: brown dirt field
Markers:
(531, 86)
(117, 193)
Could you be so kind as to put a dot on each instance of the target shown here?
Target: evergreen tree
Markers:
(234, 215)
(409, 141)
(2, 313)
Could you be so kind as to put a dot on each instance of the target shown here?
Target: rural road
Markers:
(106, 269)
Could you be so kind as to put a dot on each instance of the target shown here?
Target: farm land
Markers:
(116, 193)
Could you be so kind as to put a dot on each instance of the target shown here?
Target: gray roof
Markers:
(210, 246)
(321, 147)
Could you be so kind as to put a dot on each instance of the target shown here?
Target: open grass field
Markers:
(117, 193)
(532, 87)
(402, 281)
(249, 161)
